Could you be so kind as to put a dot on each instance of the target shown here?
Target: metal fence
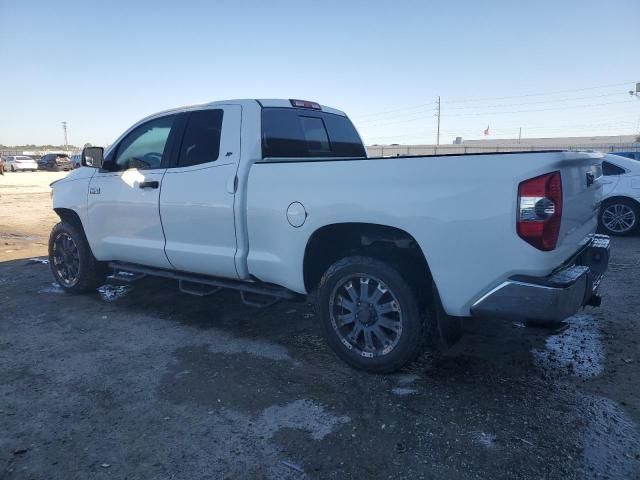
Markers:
(399, 150)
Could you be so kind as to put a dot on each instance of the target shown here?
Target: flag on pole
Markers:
(486, 131)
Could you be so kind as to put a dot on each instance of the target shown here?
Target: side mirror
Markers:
(92, 157)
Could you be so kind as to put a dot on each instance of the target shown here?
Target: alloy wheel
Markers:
(366, 315)
(66, 259)
(619, 218)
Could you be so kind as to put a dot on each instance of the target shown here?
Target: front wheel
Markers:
(73, 265)
(619, 217)
(370, 315)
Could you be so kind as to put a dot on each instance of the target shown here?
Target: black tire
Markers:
(90, 272)
(629, 207)
(413, 326)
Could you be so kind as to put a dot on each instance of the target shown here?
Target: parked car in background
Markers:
(620, 208)
(55, 162)
(76, 160)
(20, 163)
(631, 155)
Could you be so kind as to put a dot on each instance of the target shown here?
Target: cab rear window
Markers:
(302, 133)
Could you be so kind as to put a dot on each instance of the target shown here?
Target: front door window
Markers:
(144, 148)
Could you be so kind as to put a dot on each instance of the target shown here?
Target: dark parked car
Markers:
(55, 162)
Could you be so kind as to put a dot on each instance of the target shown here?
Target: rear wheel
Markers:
(73, 265)
(370, 315)
(619, 217)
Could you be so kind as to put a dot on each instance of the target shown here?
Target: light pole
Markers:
(66, 141)
(438, 134)
(637, 95)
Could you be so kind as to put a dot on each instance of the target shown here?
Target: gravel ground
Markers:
(142, 381)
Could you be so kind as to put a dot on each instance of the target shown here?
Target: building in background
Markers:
(606, 144)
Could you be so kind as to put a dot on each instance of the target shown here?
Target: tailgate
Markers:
(581, 194)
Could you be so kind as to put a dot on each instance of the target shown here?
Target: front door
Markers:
(196, 202)
(123, 206)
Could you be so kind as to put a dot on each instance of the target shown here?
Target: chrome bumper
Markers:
(553, 298)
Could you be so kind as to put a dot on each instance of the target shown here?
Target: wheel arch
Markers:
(70, 216)
(613, 198)
(386, 243)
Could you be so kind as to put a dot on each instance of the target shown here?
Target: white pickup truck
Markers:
(277, 198)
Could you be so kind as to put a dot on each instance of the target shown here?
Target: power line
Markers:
(504, 105)
(541, 94)
(481, 99)
(422, 117)
(539, 109)
(567, 99)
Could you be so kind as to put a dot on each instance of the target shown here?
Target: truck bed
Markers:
(460, 209)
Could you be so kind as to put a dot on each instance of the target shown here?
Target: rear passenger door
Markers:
(196, 201)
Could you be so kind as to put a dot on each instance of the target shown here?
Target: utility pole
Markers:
(66, 141)
(519, 135)
(438, 135)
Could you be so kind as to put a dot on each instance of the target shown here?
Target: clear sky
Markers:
(102, 65)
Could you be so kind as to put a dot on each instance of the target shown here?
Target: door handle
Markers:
(151, 184)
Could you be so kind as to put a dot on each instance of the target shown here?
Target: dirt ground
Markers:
(142, 381)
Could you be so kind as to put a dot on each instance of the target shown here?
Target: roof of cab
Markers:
(270, 102)
(266, 102)
(286, 103)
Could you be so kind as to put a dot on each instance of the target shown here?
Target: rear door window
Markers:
(301, 133)
(201, 140)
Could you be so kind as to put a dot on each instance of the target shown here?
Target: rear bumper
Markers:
(555, 297)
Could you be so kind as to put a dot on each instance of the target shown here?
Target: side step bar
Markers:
(196, 284)
(197, 289)
(126, 277)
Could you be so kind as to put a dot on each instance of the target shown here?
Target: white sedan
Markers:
(18, 163)
(620, 210)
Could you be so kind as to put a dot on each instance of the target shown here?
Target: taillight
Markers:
(540, 210)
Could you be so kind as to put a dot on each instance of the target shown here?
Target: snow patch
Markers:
(487, 440)
(302, 415)
(53, 288)
(611, 440)
(403, 391)
(578, 349)
(109, 293)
